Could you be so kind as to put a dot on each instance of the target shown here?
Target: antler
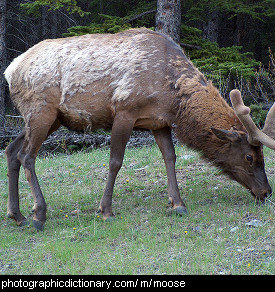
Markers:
(269, 127)
(255, 136)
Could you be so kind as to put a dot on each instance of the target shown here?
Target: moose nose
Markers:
(268, 193)
(263, 194)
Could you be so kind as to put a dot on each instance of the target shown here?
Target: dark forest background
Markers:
(230, 41)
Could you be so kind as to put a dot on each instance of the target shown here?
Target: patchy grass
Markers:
(144, 238)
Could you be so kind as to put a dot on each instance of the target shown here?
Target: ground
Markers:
(216, 237)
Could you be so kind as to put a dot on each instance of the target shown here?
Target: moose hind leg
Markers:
(38, 130)
(39, 209)
(14, 164)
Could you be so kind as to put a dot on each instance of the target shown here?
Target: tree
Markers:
(3, 57)
(246, 23)
(168, 18)
(70, 5)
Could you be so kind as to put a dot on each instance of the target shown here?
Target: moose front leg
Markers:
(164, 140)
(121, 131)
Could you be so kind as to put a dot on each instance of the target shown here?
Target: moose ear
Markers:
(225, 135)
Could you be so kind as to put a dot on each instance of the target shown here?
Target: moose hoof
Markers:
(181, 210)
(38, 225)
(109, 218)
(23, 223)
(20, 220)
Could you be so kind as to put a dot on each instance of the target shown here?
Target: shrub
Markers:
(216, 62)
(110, 24)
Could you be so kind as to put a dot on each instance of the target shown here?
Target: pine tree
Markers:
(168, 18)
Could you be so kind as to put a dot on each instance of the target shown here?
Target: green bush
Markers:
(258, 114)
(216, 62)
(110, 24)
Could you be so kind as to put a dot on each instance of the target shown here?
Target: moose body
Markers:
(137, 79)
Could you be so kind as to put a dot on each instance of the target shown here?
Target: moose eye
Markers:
(249, 158)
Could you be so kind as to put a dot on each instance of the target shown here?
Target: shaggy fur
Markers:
(134, 79)
(194, 130)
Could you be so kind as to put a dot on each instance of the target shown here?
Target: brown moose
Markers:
(137, 79)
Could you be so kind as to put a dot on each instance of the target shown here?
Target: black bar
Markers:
(111, 282)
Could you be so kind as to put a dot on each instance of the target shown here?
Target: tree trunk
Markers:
(45, 22)
(211, 28)
(3, 59)
(54, 24)
(168, 18)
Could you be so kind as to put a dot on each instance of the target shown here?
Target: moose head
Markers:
(256, 137)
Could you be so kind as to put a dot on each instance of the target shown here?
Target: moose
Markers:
(136, 79)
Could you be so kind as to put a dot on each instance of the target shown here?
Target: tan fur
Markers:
(99, 71)
(134, 79)
(202, 108)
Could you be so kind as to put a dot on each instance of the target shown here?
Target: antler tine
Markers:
(269, 127)
(255, 136)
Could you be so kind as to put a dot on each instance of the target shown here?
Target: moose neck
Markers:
(200, 110)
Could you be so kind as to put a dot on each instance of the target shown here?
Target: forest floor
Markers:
(225, 232)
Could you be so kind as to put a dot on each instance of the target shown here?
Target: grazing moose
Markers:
(137, 79)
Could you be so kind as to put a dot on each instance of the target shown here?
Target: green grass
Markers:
(144, 238)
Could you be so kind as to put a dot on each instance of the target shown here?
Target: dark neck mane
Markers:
(199, 109)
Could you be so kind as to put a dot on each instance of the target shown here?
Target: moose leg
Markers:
(39, 128)
(165, 143)
(13, 176)
(121, 131)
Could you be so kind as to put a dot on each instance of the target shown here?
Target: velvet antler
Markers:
(255, 136)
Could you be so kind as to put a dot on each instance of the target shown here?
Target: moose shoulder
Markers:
(134, 79)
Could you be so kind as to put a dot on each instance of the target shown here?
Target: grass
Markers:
(144, 238)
